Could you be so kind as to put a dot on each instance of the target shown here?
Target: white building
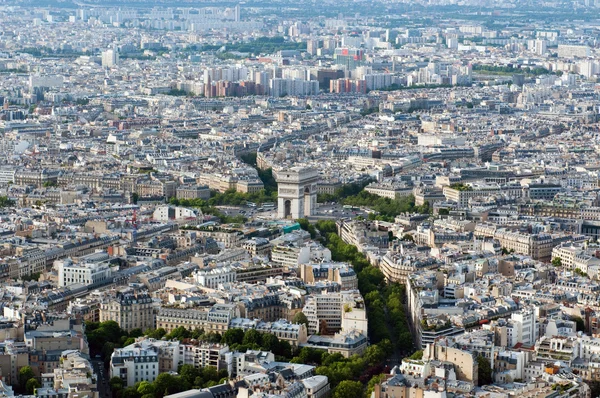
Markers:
(134, 364)
(573, 256)
(526, 327)
(166, 213)
(70, 273)
(290, 256)
(213, 277)
(110, 58)
(336, 311)
(572, 51)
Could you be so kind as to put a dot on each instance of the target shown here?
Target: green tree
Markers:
(348, 389)
(374, 354)
(189, 373)
(134, 197)
(252, 337)
(116, 383)
(210, 374)
(418, 355)
(179, 333)
(233, 336)
(6, 202)
(145, 388)
(165, 384)
(300, 318)
(31, 386)
(408, 237)
(130, 392)
(485, 371)
(270, 342)
(377, 379)
(557, 261)
(25, 373)
(156, 333)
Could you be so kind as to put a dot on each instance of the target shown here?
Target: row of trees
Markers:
(266, 176)
(165, 383)
(209, 210)
(233, 198)
(181, 333)
(380, 297)
(386, 208)
(236, 339)
(240, 340)
(343, 192)
(511, 69)
(342, 371)
(266, 45)
(388, 328)
(104, 337)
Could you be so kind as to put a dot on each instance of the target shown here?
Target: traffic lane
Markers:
(102, 381)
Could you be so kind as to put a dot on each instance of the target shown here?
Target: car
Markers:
(98, 356)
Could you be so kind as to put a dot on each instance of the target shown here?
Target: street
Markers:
(103, 378)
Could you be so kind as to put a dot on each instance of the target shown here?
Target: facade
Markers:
(461, 196)
(91, 274)
(289, 255)
(134, 364)
(347, 343)
(216, 319)
(192, 192)
(213, 277)
(129, 310)
(465, 363)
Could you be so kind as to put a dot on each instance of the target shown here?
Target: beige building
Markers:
(464, 362)
(249, 186)
(463, 195)
(14, 357)
(391, 191)
(229, 238)
(193, 192)
(156, 188)
(130, 310)
(216, 319)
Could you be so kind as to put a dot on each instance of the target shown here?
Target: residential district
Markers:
(280, 199)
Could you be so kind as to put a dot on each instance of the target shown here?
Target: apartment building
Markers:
(537, 246)
(397, 267)
(461, 195)
(332, 312)
(347, 343)
(465, 362)
(91, 274)
(213, 277)
(135, 363)
(257, 247)
(227, 238)
(130, 310)
(574, 256)
(216, 319)
(290, 255)
(193, 192)
(295, 334)
(391, 191)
